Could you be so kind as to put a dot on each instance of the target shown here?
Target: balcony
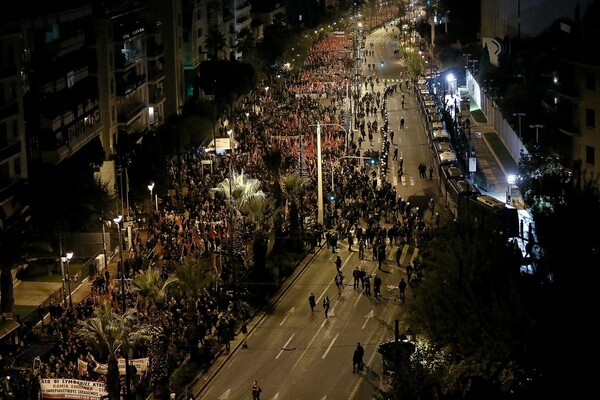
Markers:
(156, 98)
(77, 134)
(155, 75)
(243, 8)
(127, 58)
(129, 83)
(11, 149)
(155, 51)
(128, 113)
(243, 22)
(59, 48)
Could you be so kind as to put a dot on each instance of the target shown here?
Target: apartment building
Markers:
(13, 151)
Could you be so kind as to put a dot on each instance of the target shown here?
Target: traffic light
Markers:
(331, 196)
(382, 63)
(373, 160)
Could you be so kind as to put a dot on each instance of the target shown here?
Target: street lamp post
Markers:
(150, 188)
(66, 259)
(519, 115)
(103, 221)
(537, 131)
(117, 220)
(319, 177)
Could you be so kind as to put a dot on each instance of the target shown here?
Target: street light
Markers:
(66, 259)
(150, 188)
(117, 220)
(519, 115)
(451, 79)
(537, 131)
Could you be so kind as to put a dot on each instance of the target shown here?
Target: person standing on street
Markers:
(256, 391)
(357, 358)
(367, 282)
(356, 276)
(311, 302)
(377, 285)
(402, 289)
(244, 331)
(326, 304)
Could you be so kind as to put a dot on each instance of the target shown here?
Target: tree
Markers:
(151, 288)
(112, 334)
(261, 212)
(472, 306)
(294, 187)
(215, 43)
(238, 191)
(192, 276)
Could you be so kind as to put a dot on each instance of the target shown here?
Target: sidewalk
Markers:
(493, 159)
(35, 294)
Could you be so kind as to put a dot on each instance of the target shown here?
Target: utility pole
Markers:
(319, 177)
(537, 131)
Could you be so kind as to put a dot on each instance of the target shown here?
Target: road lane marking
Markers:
(330, 346)
(287, 314)
(369, 315)
(285, 345)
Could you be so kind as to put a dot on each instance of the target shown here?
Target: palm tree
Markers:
(238, 191)
(294, 187)
(261, 212)
(150, 288)
(112, 334)
(192, 276)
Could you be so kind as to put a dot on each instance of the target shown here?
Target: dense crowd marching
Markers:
(364, 199)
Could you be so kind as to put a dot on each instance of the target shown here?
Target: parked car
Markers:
(447, 157)
(439, 133)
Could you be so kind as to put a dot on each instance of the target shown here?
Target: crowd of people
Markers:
(197, 224)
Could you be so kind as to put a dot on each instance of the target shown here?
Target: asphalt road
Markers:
(297, 354)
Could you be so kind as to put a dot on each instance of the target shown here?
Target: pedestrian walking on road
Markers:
(256, 391)
(432, 206)
(402, 123)
(326, 304)
(311, 302)
(430, 172)
(402, 289)
(395, 150)
(357, 358)
(339, 282)
(244, 331)
(361, 248)
(338, 263)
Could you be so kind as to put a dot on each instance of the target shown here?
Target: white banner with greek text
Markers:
(72, 389)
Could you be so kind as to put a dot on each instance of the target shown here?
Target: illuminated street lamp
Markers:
(150, 188)
(66, 259)
(451, 79)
